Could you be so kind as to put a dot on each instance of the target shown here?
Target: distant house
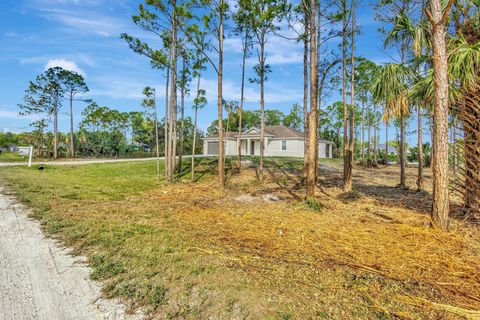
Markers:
(279, 141)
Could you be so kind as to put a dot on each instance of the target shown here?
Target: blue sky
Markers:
(83, 35)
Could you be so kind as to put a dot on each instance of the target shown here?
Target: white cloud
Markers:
(274, 93)
(116, 87)
(86, 21)
(5, 114)
(65, 64)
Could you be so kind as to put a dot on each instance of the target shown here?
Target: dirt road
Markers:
(87, 161)
(39, 279)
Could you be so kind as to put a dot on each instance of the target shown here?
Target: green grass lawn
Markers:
(7, 156)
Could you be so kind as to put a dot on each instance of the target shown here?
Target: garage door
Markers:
(212, 148)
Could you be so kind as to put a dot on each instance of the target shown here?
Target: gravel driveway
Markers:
(39, 279)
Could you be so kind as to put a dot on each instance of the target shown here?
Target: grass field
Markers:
(249, 251)
(7, 156)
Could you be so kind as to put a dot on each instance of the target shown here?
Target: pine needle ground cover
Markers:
(194, 251)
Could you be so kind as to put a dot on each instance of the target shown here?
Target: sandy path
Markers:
(88, 161)
(39, 280)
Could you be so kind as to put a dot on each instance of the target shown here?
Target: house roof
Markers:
(270, 131)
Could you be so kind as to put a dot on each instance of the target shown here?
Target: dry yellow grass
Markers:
(364, 255)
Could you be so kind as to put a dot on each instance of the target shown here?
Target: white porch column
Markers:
(248, 147)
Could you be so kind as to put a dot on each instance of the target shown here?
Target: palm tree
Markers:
(390, 87)
(417, 37)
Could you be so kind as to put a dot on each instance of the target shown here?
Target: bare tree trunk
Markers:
(369, 137)
(440, 207)
(363, 136)
(305, 100)
(345, 107)
(156, 138)
(348, 176)
(403, 160)
(262, 104)
(375, 135)
(221, 179)
(72, 146)
(195, 128)
(182, 118)
(166, 121)
(312, 117)
(420, 179)
(242, 98)
(55, 129)
(386, 143)
(173, 102)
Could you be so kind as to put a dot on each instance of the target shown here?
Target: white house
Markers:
(280, 141)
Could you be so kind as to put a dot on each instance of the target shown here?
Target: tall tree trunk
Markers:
(345, 107)
(221, 173)
(440, 207)
(305, 99)
(403, 160)
(195, 128)
(262, 104)
(369, 137)
(55, 129)
(348, 177)
(173, 101)
(182, 117)
(242, 98)
(386, 143)
(420, 179)
(312, 117)
(165, 125)
(72, 146)
(363, 136)
(375, 135)
(156, 138)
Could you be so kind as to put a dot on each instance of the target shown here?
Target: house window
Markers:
(284, 145)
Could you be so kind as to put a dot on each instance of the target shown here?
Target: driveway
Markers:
(38, 277)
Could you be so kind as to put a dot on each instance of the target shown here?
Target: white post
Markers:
(30, 157)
